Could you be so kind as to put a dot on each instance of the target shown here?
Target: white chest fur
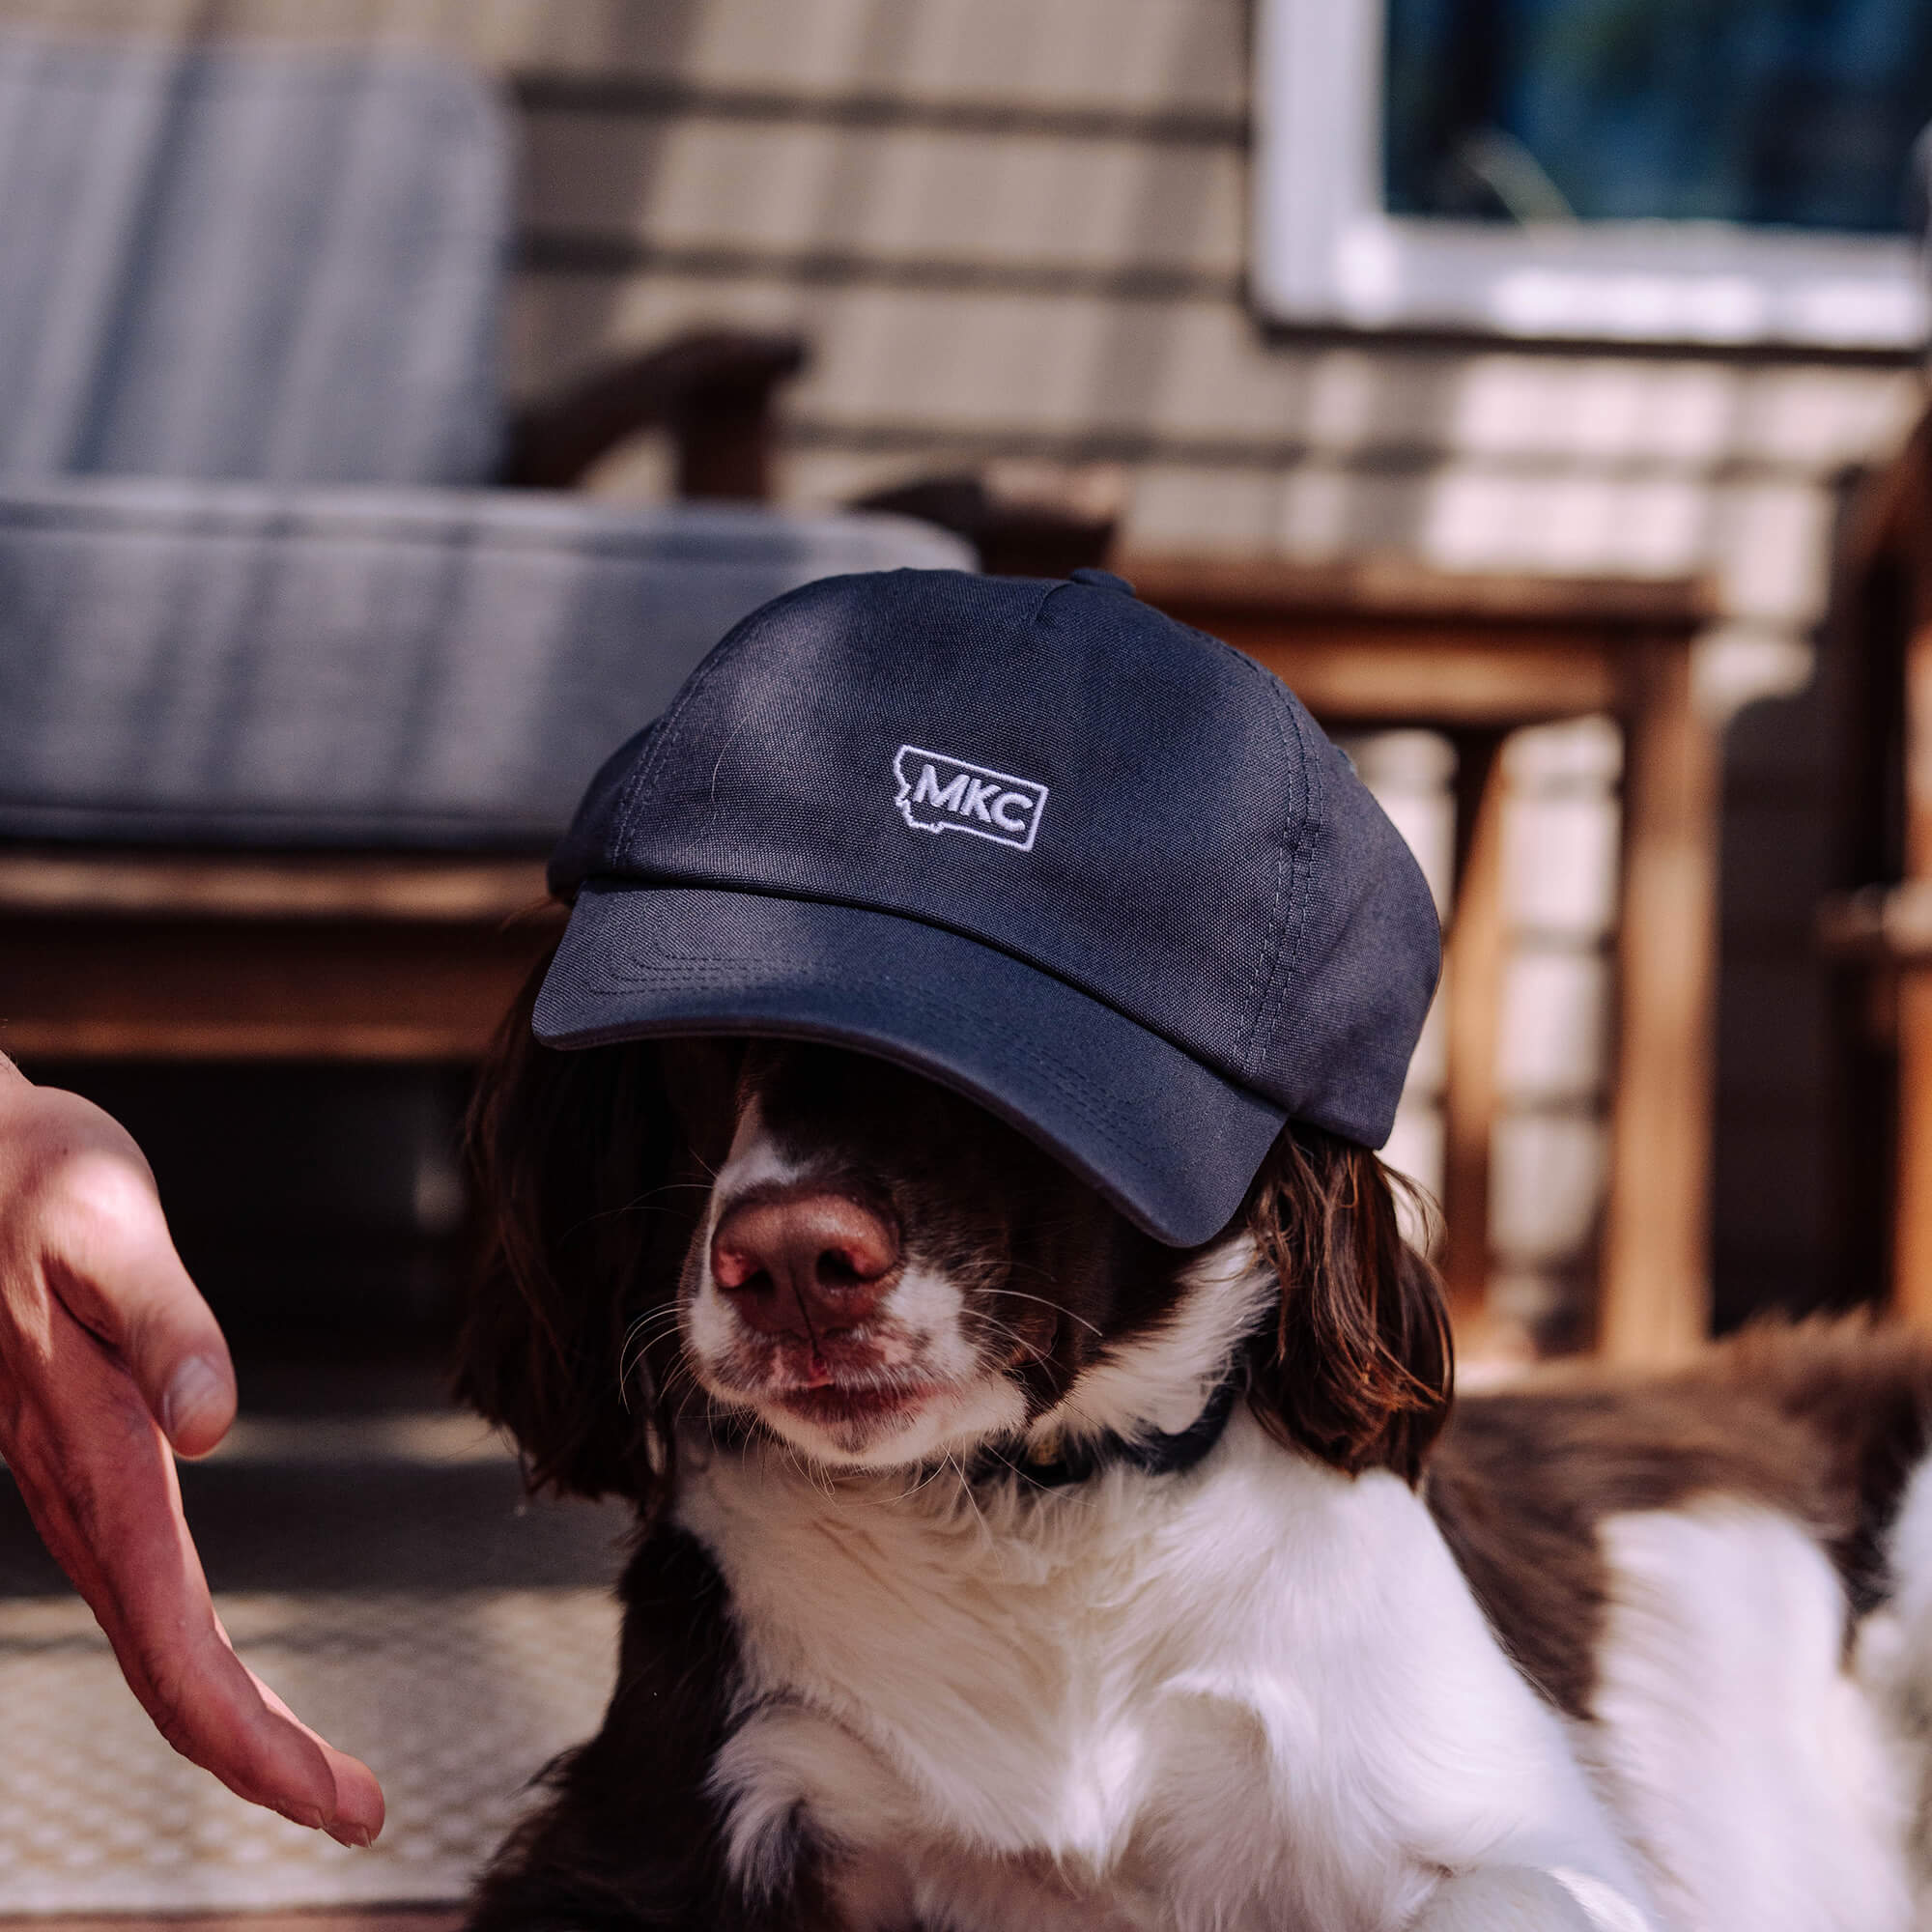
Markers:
(1254, 1695)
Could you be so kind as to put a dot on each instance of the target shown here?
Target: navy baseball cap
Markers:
(1036, 840)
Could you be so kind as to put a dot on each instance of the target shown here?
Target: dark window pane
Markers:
(1791, 112)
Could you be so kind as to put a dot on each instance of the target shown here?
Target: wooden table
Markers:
(1383, 644)
(143, 956)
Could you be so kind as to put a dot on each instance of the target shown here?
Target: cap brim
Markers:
(1168, 1141)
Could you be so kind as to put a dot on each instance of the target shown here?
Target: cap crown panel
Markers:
(1174, 801)
(1131, 805)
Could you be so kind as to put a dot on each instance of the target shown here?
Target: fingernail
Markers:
(197, 1385)
(358, 1837)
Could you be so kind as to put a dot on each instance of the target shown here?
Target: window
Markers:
(1695, 171)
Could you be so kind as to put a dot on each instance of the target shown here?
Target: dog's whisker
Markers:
(1058, 1307)
(642, 1203)
(654, 1320)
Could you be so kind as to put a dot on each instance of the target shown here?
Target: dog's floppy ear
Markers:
(586, 1190)
(1359, 1368)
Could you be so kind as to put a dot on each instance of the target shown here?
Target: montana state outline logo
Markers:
(942, 794)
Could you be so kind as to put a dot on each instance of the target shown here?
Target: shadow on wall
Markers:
(1804, 1142)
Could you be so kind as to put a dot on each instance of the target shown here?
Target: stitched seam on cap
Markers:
(725, 649)
(646, 773)
(1256, 1040)
(1248, 1046)
(695, 970)
(1287, 952)
(1249, 1051)
(1257, 984)
(1077, 1091)
(692, 966)
(1314, 822)
(1223, 1067)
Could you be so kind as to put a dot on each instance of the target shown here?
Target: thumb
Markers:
(121, 1277)
(175, 1350)
(188, 1381)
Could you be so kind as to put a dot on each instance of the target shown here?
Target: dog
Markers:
(1000, 1566)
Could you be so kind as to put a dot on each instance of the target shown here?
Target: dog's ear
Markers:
(587, 1190)
(1359, 1368)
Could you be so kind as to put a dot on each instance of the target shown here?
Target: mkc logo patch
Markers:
(942, 794)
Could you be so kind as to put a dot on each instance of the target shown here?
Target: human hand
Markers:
(107, 1355)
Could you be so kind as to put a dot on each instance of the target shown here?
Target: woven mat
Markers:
(456, 1699)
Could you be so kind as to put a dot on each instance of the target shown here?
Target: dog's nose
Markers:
(808, 1264)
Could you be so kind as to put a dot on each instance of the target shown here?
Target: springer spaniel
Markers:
(1001, 1568)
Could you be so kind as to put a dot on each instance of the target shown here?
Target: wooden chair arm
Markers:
(1023, 520)
(711, 388)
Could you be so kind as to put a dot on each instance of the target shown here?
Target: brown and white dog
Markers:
(1001, 1568)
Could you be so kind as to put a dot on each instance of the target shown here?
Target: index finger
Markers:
(102, 1488)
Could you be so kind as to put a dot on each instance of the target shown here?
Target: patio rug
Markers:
(386, 1575)
(456, 1700)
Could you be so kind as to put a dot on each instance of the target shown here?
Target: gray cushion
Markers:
(232, 261)
(207, 663)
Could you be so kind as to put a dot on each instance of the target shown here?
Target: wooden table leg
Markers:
(1473, 987)
(1912, 1217)
(1655, 1301)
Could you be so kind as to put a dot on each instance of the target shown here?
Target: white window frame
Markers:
(1326, 254)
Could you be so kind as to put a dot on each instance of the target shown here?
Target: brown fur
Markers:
(1823, 1422)
(589, 1187)
(628, 1840)
(1361, 1369)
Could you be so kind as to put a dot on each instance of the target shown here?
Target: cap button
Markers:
(1100, 579)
